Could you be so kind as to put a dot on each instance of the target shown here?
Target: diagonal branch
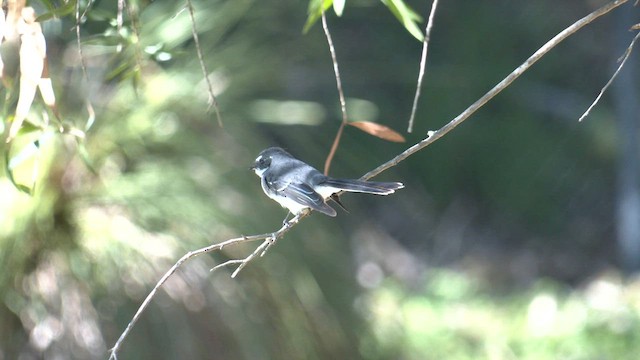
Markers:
(435, 135)
(423, 63)
(623, 60)
(194, 32)
(270, 238)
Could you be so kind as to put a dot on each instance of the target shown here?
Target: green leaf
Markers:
(9, 170)
(84, 156)
(316, 8)
(338, 6)
(407, 17)
(57, 12)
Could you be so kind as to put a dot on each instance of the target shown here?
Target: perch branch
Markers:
(435, 135)
(423, 64)
(269, 238)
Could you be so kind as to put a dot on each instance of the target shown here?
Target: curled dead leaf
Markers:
(378, 130)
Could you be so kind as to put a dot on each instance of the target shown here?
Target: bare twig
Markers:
(133, 18)
(343, 103)
(213, 103)
(435, 135)
(120, 16)
(268, 237)
(423, 63)
(269, 240)
(122, 6)
(83, 65)
(432, 136)
(622, 60)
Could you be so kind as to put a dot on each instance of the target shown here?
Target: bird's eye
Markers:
(264, 162)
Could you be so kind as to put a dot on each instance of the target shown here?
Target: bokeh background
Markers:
(513, 239)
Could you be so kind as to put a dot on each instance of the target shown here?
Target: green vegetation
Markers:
(501, 246)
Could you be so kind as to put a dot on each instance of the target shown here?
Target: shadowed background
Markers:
(504, 243)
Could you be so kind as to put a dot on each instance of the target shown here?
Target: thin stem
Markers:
(334, 148)
(423, 63)
(343, 103)
(626, 55)
(83, 65)
(194, 32)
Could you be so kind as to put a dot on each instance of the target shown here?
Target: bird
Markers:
(298, 186)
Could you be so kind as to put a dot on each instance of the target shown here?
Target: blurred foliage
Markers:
(499, 247)
(455, 318)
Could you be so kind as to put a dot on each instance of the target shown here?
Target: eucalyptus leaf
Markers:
(316, 8)
(338, 6)
(23, 188)
(85, 157)
(407, 17)
(57, 12)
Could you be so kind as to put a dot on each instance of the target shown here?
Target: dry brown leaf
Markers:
(377, 130)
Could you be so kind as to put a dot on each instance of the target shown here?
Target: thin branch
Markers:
(270, 238)
(243, 262)
(435, 135)
(432, 136)
(83, 64)
(120, 16)
(343, 103)
(213, 103)
(133, 18)
(264, 247)
(624, 58)
(334, 148)
(423, 63)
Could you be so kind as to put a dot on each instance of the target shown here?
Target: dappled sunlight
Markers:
(58, 312)
(287, 112)
(105, 227)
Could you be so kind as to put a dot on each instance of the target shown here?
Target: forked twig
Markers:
(423, 64)
(212, 97)
(343, 103)
(268, 237)
(432, 137)
(622, 60)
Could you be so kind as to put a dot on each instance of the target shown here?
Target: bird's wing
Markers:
(302, 194)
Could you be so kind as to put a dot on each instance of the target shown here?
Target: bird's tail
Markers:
(369, 187)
